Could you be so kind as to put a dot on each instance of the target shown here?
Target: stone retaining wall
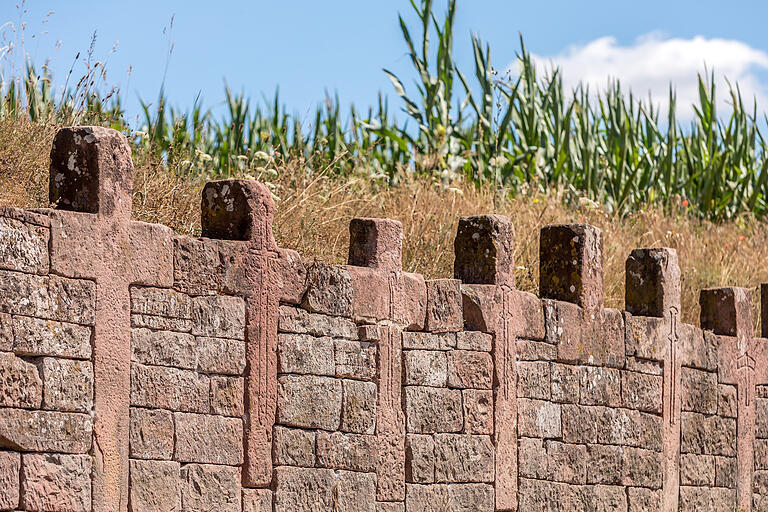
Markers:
(142, 371)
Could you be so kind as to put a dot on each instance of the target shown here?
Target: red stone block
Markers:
(653, 282)
(376, 243)
(484, 250)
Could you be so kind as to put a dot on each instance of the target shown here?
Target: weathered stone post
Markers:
(92, 237)
(653, 290)
(728, 313)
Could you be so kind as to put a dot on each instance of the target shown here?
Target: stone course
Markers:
(141, 371)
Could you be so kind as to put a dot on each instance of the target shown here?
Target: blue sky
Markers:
(306, 47)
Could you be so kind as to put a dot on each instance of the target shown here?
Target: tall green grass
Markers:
(519, 131)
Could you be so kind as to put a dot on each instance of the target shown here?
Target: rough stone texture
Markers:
(358, 407)
(653, 282)
(164, 348)
(299, 321)
(305, 354)
(221, 316)
(36, 337)
(208, 439)
(164, 302)
(478, 411)
(20, 383)
(56, 482)
(23, 246)
(45, 431)
(376, 243)
(310, 490)
(353, 452)
(419, 459)
(484, 249)
(463, 459)
(257, 500)
(48, 297)
(470, 369)
(10, 464)
(68, 384)
(309, 401)
(205, 488)
(294, 447)
(428, 341)
(726, 311)
(474, 340)
(169, 388)
(355, 359)
(429, 410)
(151, 434)
(227, 396)
(444, 311)
(329, 290)
(155, 486)
(459, 497)
(425, 368)
(571, 264)
(699, 391)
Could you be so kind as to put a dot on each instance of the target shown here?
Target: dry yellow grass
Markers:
(314, 211)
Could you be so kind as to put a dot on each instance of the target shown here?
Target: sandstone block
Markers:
(478, 411)
(20, 383)
(563, 328)
(579, 423)
(537, 418)
(35, 337)
(294, 276)
(429, 341)
(304, 354)
(642, 468)
(164, 302)
(532, 458)
(707, 435)
(529, 350)
(409, 306)
(155, 486)
(151, 434)
(566, 381)
(571, 264)
(376, 243)
(161, 323)
(567, 462)
(300, 321)
(642, 391)
(419, 459)
(293, 447)
(697, 470)
(227, 396)
(49, 297)
(653, 282)
(474, 340)
(390, 506)
(761, 418)
(641, 499)
(484, 250)
(158, 387)
(531, 309)
(219, 316)
(726, 311)
(425, 368)
(358, 407)
(429, 410)
(56, 482)
(470, 369)
(355, 359)
(444, 310)
(533, 379)
(461, 497)
(10, 465)
(464, 459)
(629, 427)
(604, 464)
(23, 246)
(207, 488)
(725, 472)
(600, 386)
(208, 439)
(44, 431)
(164, 348)
(726, 401)
(309, 401)
(6, 332)
(309, 490)
(699, 391)
(196, 265)
(329, 291)
(353, 452)
(68, 384)
(257, 500)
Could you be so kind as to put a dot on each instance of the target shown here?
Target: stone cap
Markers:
(238, 210)
(376, 243)
(571, 264)
(727, 311)
(91, 171)
(652, 282)
(484, 250)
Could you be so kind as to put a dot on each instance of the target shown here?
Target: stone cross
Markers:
(92, 237)
(653, 290)
(728, 312)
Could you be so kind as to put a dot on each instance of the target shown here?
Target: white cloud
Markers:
(653, 62)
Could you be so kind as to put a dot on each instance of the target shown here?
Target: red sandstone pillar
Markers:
(728, 312)
(653, 290)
